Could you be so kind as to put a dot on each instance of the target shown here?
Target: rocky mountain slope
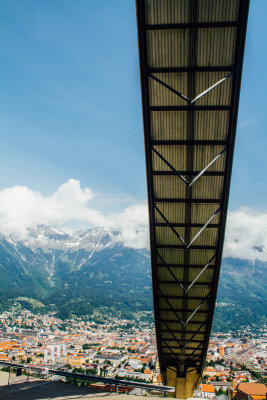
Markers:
(90, 270)
(75, 273)
(242, 294)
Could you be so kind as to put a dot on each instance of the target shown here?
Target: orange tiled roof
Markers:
(4, 357)
(145, 359)
(147, 371)
(256, 389)
(207, 388)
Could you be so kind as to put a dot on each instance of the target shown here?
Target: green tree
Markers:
(219, 392)
(91, 371)
(79, 370)
(204, 378)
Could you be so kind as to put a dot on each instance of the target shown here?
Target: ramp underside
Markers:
(191, 54)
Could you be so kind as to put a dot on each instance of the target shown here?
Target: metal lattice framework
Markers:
(191, 55)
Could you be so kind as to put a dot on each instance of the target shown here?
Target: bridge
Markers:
(191, 56)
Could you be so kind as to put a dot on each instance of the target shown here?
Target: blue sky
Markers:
(70, 96)
(249, 183)
(71, 106)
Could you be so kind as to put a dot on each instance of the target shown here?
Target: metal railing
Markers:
(92, 378)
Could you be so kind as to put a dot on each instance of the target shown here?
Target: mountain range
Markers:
(91, 273)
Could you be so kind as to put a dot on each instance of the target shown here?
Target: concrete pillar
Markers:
(184, 386)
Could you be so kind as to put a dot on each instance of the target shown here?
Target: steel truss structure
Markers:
(191, 56)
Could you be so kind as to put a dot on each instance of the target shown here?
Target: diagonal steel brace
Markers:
(195, 349)
(211, 88)
(170, 271)
(203, 227)
(171, 350)
(170, 88)
(189, 184)
(207, 167)
(196, 309)
(200, 273)
(169, 225)
(171, 333)
(171, 167)
(171, 307)
(192, 337)
(182, 96)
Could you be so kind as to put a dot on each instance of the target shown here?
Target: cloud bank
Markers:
(246, 235)
(69, 209)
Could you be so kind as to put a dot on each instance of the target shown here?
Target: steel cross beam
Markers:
(191, 56)
(180, 175)
(191, 101)
(187, 245)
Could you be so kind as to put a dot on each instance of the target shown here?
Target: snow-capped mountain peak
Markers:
(46, 238)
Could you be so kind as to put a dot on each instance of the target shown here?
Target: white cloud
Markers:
(68, 208)
(246, 235)
(133, 224)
